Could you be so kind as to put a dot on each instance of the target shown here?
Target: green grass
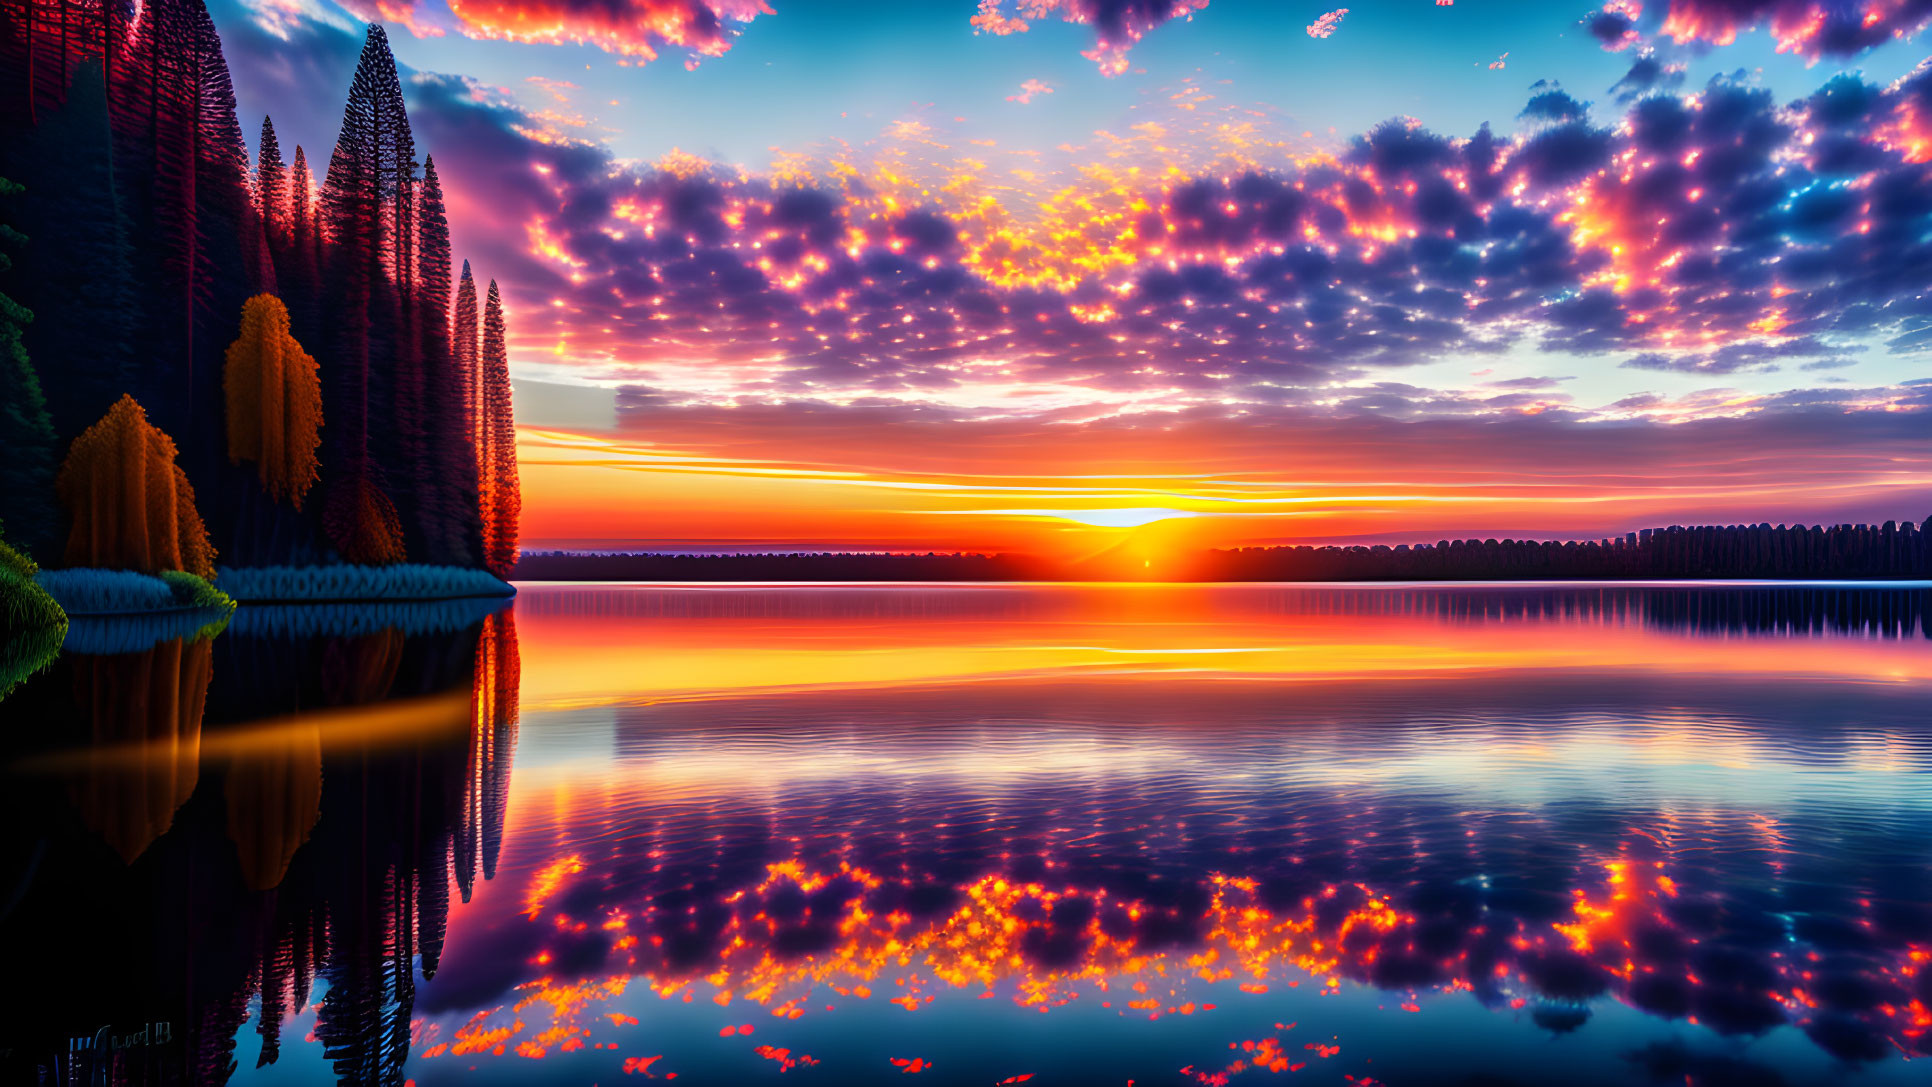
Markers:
(34, 624)
(293, 584)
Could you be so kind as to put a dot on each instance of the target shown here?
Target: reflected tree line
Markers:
(268, 813)
(1793, 610)
(1797, 610)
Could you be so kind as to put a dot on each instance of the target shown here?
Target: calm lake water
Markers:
(984, 835)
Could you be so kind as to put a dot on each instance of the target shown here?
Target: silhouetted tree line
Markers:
(137, 234)
(176, 888)
(1895, 549)
(802, 566)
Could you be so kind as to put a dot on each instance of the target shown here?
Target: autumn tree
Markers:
(274, 402)
(26, 432)
(501, 498)
(131, 505)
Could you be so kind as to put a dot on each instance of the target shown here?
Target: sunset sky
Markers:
(1041, 274)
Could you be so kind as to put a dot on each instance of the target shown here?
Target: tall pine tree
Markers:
(466, 330)
(271, 192)
(299, 275)
(502, 497)
(77, 277)
(184, 170)
(370, 174)
(453, 523)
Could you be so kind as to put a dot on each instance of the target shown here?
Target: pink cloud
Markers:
(1118, 24)
(1028, 89)
(1327, 24)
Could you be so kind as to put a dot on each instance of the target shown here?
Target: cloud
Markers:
(1812, 29)
(1028, 89)
(1327, 24)
(1648, 73)
(1747, 356)
(1716, 234)
(1117, 24)
(635, 30)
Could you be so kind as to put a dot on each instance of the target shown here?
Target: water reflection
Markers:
(209, 831)
(1079, 834)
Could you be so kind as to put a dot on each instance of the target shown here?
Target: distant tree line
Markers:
(1895, 549)
(802, 566)
(311, 325)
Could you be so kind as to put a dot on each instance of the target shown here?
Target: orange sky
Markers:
(1071, 491)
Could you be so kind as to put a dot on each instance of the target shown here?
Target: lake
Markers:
(986, 834)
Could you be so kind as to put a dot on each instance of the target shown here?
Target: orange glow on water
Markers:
(628, 654)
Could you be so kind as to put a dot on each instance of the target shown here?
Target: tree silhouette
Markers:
(369, 176)
(465, 329)
(274, 401)
(502, 499)
(298, 270)
(153, 232)
(131, 504)
(26, 433)
(77, 277)
(271, 191)
(186, 172)
(448, 472)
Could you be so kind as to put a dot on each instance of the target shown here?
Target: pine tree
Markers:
(26, 433)
(185, 169)
(77, 275)
(370, 174)
(271, 192)
(131, 504)
(467, 354)
(454, 526)
(299, 273)
(502, 498)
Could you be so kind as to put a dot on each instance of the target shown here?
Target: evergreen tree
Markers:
(26, 480)
(77, 277)
(450, 497)
(369, 176)
(299, 273)
(466, 353)
(502, 498)
(271, 192)
(185, 172)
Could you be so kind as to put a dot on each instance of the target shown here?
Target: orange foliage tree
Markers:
(274, 401)
(131, 504)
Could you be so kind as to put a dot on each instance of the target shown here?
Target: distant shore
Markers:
(1893, 551)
